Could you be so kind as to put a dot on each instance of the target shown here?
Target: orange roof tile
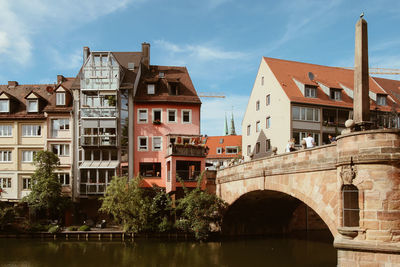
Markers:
(213, 142)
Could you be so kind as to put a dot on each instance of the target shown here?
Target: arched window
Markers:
(351, 210)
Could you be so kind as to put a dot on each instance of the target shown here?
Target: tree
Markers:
(46, 188)
(7, 215)
(199, 211)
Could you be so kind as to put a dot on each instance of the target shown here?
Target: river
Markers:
(152, 252)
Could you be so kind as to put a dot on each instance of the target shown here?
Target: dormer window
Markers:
(33, 106)
(310, 91)
(381, 100)
(4, 105)
(336, 94)
(150, 89)
(60, 99)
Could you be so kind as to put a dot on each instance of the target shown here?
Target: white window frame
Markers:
(258, 126)
(147, 143)
(28, 105)
(268, 100)
(257, 105)
(337, 94)
(258, 147)
(154, 110)
(267, 145)
(268, 122)
(60, 98)
(151, 89)
(31, 132)
(190, 116)
(262, 80)
(8, 105)
(5, 156)
(26, 183)
(310, 92)
(219, 150)
(5, 182)
(176, 115)
(61, 150)
(248, 150)
(303, 114)
(147, 115)
(231, 147)
(63, 177)
(248, 130)
(152, 143)
(28, 155)
(381, 100)
(5, 130)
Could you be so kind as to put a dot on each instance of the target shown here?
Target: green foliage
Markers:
(199, 212)
(72, 228)
(84, 228)
(7, 215)
(54, 229)
(46, 188)
(37, 227)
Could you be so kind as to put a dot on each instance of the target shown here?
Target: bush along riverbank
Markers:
(151, 210)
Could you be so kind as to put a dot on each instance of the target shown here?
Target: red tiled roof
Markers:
(213, 142)
(392, 87)
(333, 77)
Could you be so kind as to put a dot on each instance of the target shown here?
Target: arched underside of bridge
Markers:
(266, 212)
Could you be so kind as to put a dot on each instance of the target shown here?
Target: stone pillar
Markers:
(361, 76)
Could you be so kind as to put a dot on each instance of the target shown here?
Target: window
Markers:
(157, 115)
(258, 146)
(336, 94)
(142, 115)
(248, 130)
(5, 130)
(60, 99)
(151, 169)
(219, 150)
(258, 105)
(61, 150)
(305, 114)
(248, 149)
(262, 80)
(150, 89)
(171, 115)
(231, 150)
(268, 122)
(31, 130)
(157, 143)
(28, 155)
(186, 116)
(268, 100)
(5, 182)
(26, 183)
(4, 105)
(351, 210)
(221, 140)
(5, 156)
(258, 126)
(63, 178)
(33, 106)
(267, 145)
(381, 100)
(310, 91)
(142, 143)
(59, 124)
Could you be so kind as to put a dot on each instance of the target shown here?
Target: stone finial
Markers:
(274, 150)
(349, 124)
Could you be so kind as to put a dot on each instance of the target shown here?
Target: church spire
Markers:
(233, 131)
(226, 126)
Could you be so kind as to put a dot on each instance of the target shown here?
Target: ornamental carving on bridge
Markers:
(348, 174)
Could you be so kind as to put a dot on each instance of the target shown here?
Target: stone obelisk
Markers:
(361, 78)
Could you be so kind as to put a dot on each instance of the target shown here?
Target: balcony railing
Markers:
(99, 112)
(98, 140)
(93, 188)
(186, 150)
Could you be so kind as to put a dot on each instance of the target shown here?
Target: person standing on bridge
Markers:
(309, 141)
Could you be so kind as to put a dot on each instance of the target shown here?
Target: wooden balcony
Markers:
(186, 150)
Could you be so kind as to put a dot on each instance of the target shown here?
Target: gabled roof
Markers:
(287, 71)
(213, 142)
(392, 87)
(172, 76)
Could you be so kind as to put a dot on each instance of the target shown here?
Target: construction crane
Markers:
(385, 71)
(204, 94)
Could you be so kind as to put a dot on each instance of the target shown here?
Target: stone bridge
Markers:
(353, 186)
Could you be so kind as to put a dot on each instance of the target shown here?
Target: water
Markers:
(248, 253)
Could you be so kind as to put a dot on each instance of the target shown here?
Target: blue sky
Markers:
(220, 41)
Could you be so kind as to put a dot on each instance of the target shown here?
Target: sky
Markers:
(221, 42)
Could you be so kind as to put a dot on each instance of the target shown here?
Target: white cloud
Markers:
(213, 112)
(66, 61)
(21, 20)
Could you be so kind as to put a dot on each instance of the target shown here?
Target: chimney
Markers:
(12, 83)
(146, 54)
(60, 79)
(86, 53)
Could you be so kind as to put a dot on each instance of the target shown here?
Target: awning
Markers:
(99, 164)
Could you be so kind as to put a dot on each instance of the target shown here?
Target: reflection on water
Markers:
(249, 253)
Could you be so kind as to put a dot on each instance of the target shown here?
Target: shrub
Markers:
(54, 229)
(72, 228)
(84, 228)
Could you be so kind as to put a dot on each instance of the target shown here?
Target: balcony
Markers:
(186, 150)
(93, 188)
(188, 176)
(99, 140)
(99, 112)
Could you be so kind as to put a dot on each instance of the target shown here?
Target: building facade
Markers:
(223, 150)
(291, 99)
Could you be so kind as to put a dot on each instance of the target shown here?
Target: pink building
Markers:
(167, 128)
